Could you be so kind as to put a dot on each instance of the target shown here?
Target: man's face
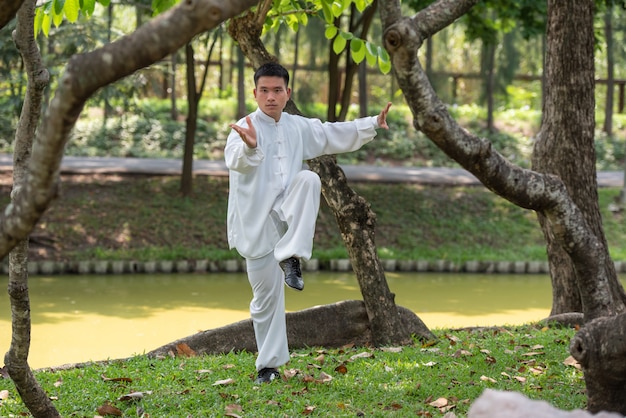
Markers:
(271, 95)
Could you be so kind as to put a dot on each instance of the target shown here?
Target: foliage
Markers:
(293, 14)
(418, 380)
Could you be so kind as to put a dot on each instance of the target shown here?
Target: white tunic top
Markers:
(258, 176)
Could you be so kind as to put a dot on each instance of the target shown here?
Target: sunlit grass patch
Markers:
(419, 380)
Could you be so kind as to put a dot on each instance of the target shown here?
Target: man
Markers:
(274, 200)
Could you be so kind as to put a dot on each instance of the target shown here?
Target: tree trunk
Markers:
(610, 69)
(350, 326)
(567, 133)
(186, 181)
(576, 229)
(16, 359)
(354, 216)
(173, 94)
(600, 349)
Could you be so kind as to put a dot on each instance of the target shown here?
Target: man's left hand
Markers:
(382, 117)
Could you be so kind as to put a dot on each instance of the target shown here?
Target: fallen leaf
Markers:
(289, 373)
(58, 383)
(391, 349)
(224, 382)
(341, 369)
(536, 370)
(202, 371)
(520, 379)
(439, 402)
(490, 360)
(485, 351)
(571, 361)
(308, 410)
(228, 366)
(487, 379)
(533, 353)
(320, 359)
(108, 409)
(537, 347)
(232, 408)
(116, 379)
(388, 369)
(183, 349)
(325, 377)
(461, 352)
(365, 354)
(429, 364)
(4, 394)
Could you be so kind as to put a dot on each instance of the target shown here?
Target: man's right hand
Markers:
(248, 135)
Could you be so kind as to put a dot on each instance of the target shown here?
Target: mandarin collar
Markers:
(264, 117)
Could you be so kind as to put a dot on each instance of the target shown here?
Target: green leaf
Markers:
(39, 14)
(105, 3)
(58, 7)
(46, 23)
(327, 11)
(88, 7)
(357, 48)
(384, 62)
(71, 10)
(371, 59)
(337, 9)
(331, 31)
(348, 36)
(339, 44)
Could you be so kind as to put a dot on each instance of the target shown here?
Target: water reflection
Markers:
(97, 317)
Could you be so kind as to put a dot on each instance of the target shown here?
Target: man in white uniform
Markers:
(274, 200)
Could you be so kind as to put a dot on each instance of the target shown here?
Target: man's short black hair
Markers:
(271, 69)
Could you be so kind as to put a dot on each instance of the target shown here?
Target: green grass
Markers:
(145, 218)
(347, 382)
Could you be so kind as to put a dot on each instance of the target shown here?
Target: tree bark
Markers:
(544, 193)
(567, 133)
(16, 359)
(350, 325)
(600, 349)
(186, 179)
(354, 216)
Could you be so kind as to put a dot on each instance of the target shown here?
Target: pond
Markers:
(82, 318)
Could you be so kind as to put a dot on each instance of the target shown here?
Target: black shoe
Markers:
(267, 375)
(293, 275)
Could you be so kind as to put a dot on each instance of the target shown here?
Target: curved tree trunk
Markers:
(565, 145)
(546, 194)
(350, 321)
(354, 216)
(16, 359)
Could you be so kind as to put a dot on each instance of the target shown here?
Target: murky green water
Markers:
(85, 318)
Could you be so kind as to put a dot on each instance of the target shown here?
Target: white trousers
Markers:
(298, 211)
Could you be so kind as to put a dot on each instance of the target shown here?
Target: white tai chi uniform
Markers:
(272, 208)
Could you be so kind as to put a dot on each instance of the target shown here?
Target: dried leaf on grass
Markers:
(571, 361)
(228, 381)
(116, 379)
(183, 349)
(108, 409)
(232, 410)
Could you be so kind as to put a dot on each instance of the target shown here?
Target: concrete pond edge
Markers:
(103, 267)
